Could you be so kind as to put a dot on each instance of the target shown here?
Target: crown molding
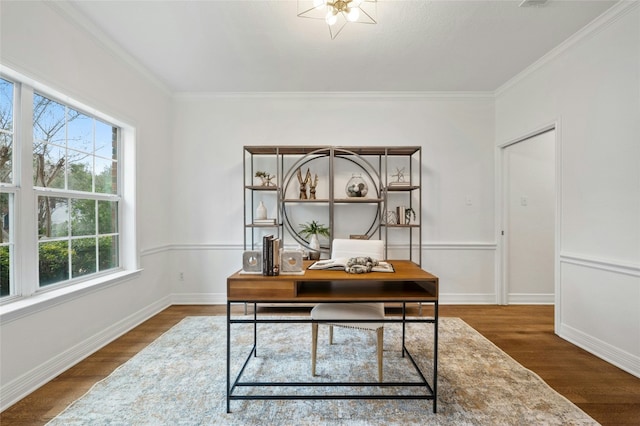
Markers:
(335, 95)
(78, 19)
(607, 18)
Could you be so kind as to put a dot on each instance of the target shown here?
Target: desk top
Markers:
(408, 283)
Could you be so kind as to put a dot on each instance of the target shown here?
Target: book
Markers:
(267, 250)
(340, 264)
(275, 253)
(264, 221)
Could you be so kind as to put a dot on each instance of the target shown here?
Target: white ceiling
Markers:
(262, 46)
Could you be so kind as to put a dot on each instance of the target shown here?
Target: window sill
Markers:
(30, 305)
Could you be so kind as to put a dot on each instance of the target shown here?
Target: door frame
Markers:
(502, 214)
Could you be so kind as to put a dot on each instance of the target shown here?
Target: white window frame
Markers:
(28, 295)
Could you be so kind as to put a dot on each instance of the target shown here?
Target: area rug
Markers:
(180, 379)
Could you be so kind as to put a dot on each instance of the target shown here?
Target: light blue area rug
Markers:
(180, 379)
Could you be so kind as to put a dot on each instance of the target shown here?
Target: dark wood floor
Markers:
(608, 394)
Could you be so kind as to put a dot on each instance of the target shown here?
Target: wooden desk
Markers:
(408, 284)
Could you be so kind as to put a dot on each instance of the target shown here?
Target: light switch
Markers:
(524, 201)
(467, 200)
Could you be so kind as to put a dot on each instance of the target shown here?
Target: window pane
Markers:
(53, 262)
(5, 265)
(49, 121)
(83, 257)
(106, 140)
(80, 171)
(5, 217)
(53, 217)
(6, 105)
(6, 158)
(6, 131)
(48, 165)
(106, 176)
(79, 132)
(108, 252)
(83, 217)
(107, 217)
(49, 141)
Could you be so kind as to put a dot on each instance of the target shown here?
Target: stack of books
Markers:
(264, 221)
(271, 255)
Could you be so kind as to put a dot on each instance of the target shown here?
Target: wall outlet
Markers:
(181, 276)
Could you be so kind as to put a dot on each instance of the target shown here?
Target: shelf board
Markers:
(299, 200)
(336, 200)
(261, 188)
(304, 149)
(358, 200)
(395, 225)
(391, 188)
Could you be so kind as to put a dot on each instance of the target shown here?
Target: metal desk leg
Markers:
(228, 356)
(404, 317)
(435, 358)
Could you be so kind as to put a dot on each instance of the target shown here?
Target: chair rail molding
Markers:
(609, 265)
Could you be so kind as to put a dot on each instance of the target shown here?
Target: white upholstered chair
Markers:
(351, 311)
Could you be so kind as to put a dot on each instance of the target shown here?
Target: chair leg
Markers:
(331, 335)
(380, 339)
(314, 347)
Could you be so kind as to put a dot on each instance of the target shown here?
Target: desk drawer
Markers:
(242, 290)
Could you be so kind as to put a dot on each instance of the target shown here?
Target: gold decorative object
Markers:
(303, 183)
(312, 187)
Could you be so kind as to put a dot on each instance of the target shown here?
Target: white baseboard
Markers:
(530, 299)
(22, 386)
(467, 299)
(621, 359)
(199, 299)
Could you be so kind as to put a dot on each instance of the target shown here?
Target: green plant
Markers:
(262, 174)
(313, 227)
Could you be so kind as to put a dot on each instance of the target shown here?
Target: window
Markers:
(7, 188)
(67, 192)
(75, 175)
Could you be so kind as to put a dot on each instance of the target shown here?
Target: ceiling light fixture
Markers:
(337, 14)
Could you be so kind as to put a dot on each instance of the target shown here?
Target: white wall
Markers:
(456, 135)
(38, 41)
(592, 90)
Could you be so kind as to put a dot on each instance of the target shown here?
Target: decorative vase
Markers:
(314, 246)
(356, 186)
(261, 211)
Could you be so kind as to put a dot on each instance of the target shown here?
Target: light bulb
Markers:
(331, 18)
(353, 14)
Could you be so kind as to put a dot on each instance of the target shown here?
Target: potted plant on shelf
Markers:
(312, 230)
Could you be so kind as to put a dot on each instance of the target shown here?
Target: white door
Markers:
(529, 220)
